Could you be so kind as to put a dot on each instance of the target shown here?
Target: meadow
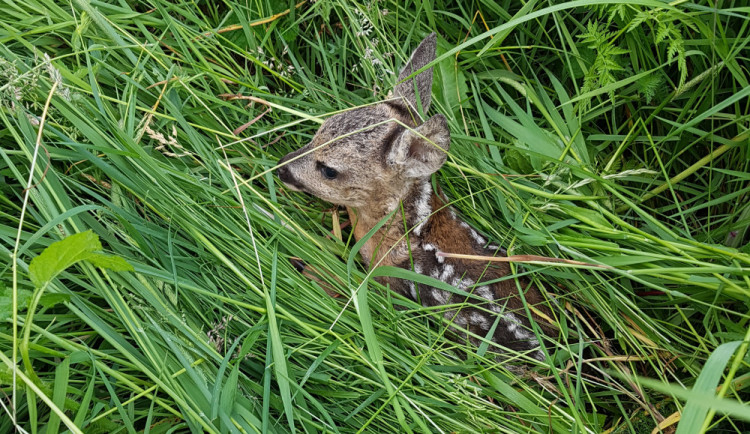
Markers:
(145, 281)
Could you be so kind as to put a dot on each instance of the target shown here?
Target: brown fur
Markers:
(378, 159)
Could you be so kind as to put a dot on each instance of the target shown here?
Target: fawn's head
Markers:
(372, 155)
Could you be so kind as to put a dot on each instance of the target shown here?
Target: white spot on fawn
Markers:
(440, 296)
(447, 273)
(413, 290)
(485, 292)
(478, 238)
(457, 319)
(423, 206)
(519, 332)
(514, 325)
(461, 284)
(480, 320)
(431, 248)
(495, 248)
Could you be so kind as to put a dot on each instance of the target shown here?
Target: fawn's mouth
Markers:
(295, 187)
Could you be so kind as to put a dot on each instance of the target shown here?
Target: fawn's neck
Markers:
(429, 221)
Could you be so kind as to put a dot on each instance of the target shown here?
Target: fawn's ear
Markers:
(421, 84)
(422, 150)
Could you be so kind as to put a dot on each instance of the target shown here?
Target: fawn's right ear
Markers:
(421, 151)
(421, 84)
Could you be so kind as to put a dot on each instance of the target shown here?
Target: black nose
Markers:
(283, 173)
(286, 176)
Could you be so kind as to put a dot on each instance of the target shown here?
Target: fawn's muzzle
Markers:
(286, 176)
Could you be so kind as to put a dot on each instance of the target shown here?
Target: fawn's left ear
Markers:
(421, 84)
(421, 151)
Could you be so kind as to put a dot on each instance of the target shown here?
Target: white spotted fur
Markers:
(485, 292)
(423, 206)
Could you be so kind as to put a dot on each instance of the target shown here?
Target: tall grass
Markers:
(614, 133)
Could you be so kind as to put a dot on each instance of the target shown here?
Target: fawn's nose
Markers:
(284, 174)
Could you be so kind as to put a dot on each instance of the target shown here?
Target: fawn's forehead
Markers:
(359, 129)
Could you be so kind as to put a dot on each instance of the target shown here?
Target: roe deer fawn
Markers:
(380, 158)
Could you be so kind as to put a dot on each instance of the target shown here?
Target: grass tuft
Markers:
(610, 134)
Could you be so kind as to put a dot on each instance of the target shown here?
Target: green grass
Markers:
(614, 133)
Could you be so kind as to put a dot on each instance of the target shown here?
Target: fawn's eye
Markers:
(329, 172)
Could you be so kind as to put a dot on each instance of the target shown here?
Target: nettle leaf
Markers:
(52, 299)
(114, 263)
(61, 255)
(66, 252)
(6, 301)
